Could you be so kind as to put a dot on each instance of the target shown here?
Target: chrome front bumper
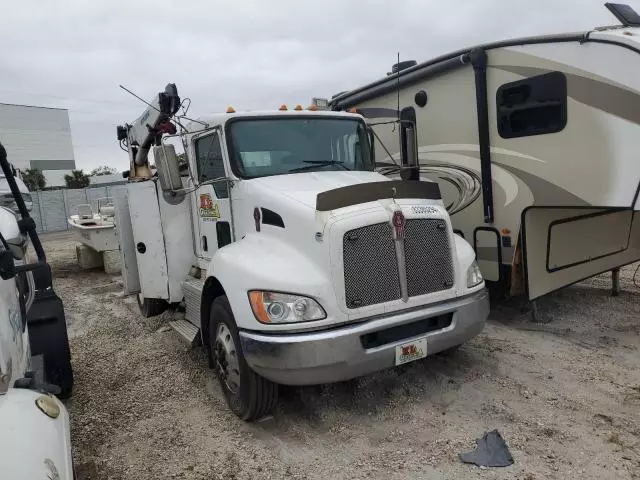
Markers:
(338, 354)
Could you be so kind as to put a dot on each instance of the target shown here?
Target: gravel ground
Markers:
(564, 395)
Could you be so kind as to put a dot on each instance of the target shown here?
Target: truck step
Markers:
(187, 331)
(192, 289)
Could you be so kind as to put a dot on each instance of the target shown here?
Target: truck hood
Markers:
(305, 187)
(287, 204)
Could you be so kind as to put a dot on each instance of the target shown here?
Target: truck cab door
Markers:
(211, 201)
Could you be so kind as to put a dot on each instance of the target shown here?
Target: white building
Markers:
(38, 137)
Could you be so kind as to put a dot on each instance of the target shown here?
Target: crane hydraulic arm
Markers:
(147, 130)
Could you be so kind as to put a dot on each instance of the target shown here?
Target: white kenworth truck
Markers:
(295, 262)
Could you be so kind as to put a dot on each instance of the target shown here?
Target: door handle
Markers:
(204, 243)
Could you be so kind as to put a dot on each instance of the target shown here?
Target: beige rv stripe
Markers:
(603, 96)
(544, 192)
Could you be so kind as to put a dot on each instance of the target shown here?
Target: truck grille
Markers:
(371, 273)
(428, 256)
(370, 266)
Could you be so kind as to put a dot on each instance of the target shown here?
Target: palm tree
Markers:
(103, 170)
(77, 179)
(34, 179)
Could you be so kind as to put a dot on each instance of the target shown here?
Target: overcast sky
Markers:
(247, 53)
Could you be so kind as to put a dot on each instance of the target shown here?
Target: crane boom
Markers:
(147, 130)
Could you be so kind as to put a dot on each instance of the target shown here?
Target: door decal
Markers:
(209, 211)
(15, 321)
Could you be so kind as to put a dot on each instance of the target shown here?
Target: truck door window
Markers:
(210, 163)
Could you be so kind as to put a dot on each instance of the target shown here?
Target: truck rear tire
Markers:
(150, 307)
(248, 395)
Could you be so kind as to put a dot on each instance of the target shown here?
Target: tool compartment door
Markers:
(148, 239)
(565, 245)
(126, 244)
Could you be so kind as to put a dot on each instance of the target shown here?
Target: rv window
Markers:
(533, 106)
(210, 164)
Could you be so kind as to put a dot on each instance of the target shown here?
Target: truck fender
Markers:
(263, 263)
(464, 255)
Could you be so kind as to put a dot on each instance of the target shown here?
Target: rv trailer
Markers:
(535, 144)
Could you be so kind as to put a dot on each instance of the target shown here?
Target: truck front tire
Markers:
(248, 395)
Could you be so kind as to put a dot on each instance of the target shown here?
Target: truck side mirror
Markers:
(410, 163)
(167, 167)
(372, 145)
(7, 265)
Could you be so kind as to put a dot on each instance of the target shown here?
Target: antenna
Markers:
(398, 85)
(139, 98)
(397, 69)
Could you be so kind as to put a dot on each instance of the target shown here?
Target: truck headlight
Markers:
(474, 275)
(274, 307)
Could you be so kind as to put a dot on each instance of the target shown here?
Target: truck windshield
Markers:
(278, 146)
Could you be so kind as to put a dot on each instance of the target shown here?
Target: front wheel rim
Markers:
(226, 359)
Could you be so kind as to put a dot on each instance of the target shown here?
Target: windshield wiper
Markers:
(318, 163)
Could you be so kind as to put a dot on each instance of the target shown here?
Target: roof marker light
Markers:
(283, 107)
(353, 110)
(313, 107)
(298, 107)
(230, 109)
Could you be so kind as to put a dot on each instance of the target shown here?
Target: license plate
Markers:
(408, 352)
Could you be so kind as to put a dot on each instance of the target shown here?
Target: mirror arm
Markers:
(30, 267)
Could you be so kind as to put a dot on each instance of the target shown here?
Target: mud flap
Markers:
(563, 246)
(48, 333)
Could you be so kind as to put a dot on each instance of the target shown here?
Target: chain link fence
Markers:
(52, 208)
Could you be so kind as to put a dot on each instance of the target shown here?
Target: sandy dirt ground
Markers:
(564, 395)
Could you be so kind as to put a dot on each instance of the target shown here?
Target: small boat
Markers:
(96, 230)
